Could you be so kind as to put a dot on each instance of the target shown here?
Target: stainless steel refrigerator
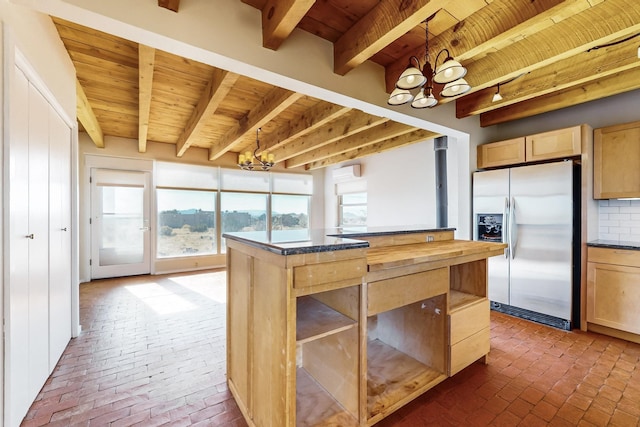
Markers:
(535, 210)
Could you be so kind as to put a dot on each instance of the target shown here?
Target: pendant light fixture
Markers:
(450, 73)
(496, 96)
(250, 161)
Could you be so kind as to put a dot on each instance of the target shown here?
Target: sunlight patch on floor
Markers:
(212, 285)
(160, 299)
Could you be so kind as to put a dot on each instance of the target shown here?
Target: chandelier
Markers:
(450, 73)
(250, 161)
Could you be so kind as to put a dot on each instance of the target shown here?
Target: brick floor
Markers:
(152, 352)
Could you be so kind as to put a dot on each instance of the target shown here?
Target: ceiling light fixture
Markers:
(496, 96)
(249, 161)
(450, 73)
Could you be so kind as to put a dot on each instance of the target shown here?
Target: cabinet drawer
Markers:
(627, 257)
(392, 293)
(554, 144)
(468, 321)
(468, 351)
(503, 153)
(344, 273)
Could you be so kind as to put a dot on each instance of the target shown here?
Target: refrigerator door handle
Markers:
(513, 230)
(505, 231)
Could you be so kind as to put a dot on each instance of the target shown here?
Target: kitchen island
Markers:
(349, 326)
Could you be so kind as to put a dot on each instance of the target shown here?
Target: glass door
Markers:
(120, 232)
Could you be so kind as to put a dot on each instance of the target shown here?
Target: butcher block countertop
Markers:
(384, 258)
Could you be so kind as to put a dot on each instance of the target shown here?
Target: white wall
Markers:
(401, 187)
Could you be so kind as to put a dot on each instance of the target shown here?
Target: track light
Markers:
(496, 96)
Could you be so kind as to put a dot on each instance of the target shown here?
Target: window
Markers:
(352, 209)
(186, 223)
(244, 213)
(289, 218)
(197, 204)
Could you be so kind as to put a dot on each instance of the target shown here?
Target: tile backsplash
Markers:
(619, 220)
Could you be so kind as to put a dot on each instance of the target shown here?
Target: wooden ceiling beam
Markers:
(172, 5)
(375, 148)
(385, 23)
(611, 85)
(279, 18)
(576, 70)
(352, 123)
(370, 136)
(312, 119)
(87, 117)
(482, 33)
(146, 64)
(604, 23)
(217, 89)
(270, 106)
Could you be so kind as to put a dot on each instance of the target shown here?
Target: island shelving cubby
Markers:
(346, 329)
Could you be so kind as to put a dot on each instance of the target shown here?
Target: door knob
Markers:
(29, 236)
(64, 229)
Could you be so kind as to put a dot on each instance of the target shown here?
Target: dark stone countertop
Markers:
(335, 239)
(615, 244)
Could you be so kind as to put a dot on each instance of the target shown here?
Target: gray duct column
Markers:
(442, 203)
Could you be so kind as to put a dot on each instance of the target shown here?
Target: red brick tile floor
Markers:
(152, 352)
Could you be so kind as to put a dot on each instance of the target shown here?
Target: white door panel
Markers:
(60, 237)
(39, 243)
(120, 232)
(16, 392)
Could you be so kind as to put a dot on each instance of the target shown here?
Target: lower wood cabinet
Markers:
(468, 334)
(613, 288)
(318, 340)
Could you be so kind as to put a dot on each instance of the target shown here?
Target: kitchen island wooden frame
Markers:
(345, 337)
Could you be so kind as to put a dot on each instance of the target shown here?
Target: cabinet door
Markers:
(555, 144)
(616, 161)
(612, 295)
(59, 237)
(503, 153)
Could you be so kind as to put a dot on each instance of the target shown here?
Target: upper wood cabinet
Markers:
(616, 161)
(555, 144)
(503, 153)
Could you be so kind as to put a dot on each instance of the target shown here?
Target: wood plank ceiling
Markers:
(545, 54)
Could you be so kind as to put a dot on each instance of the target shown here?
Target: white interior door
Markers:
(59, 237)
(17, 397)
(120, 232)
(27, 331)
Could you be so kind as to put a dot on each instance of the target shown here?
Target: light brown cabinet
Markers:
(347, 337)
(613, 290)
(616, 161)
(555, 144)
(502, 153)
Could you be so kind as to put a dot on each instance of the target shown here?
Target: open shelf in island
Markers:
(316, 406)
(394, 378)
(459, 300)
(406, 354)
(327, 355)
(317, 320)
